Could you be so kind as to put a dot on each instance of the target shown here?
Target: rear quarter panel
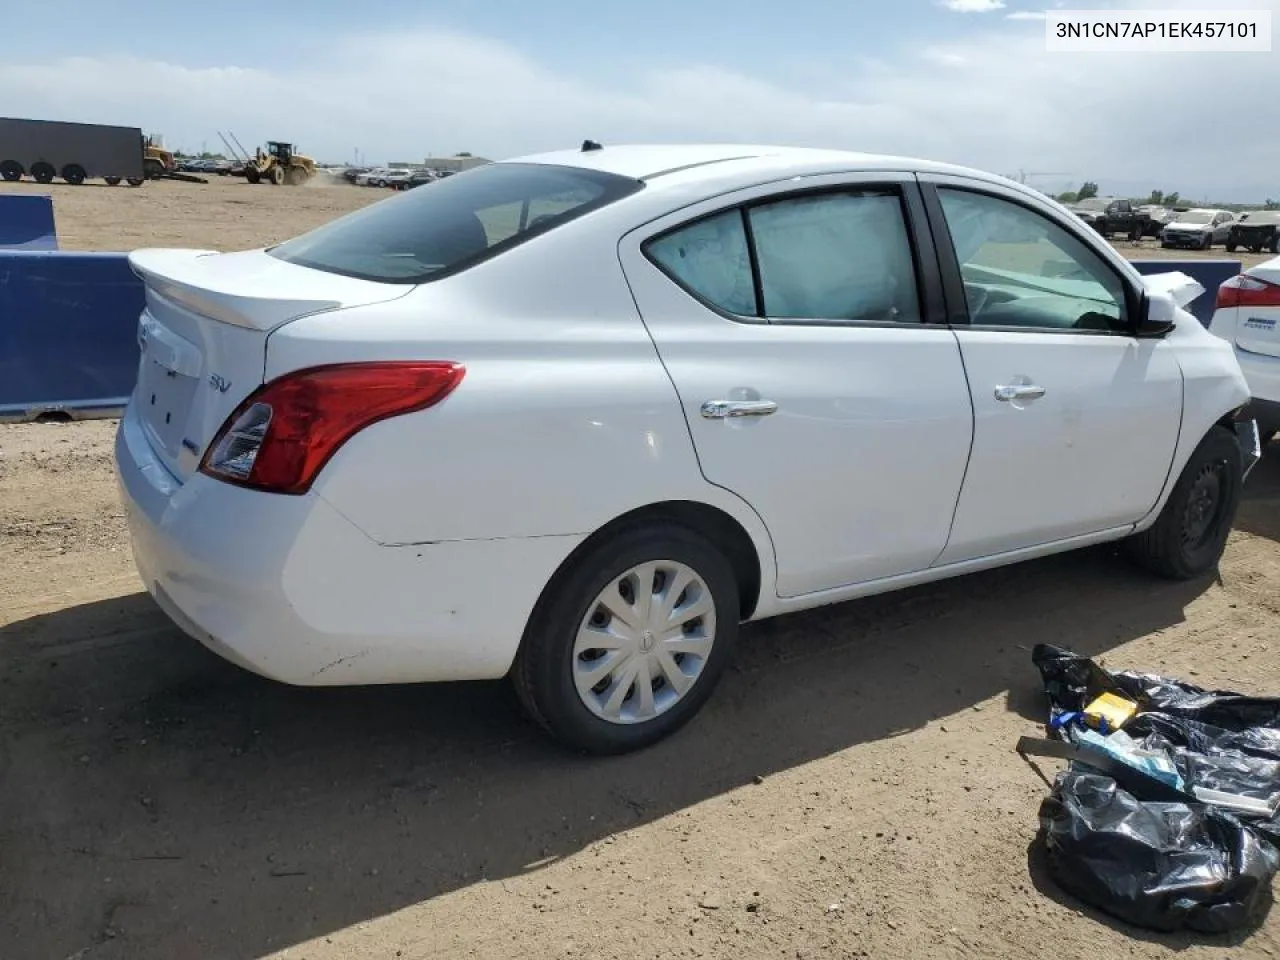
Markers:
(565, 419)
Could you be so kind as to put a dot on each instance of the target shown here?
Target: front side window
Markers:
(1020, 269)
(447, 226)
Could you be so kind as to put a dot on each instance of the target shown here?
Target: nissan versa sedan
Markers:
(573, 418)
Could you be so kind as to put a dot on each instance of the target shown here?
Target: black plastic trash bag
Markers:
(1155, 863)
(1159, 865)
(1163, 866)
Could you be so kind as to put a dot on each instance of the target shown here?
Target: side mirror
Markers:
(1156, 315)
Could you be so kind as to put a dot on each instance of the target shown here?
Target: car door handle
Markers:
(724, 409)
(1019, 391)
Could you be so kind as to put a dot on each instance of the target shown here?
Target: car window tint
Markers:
(1021, 269)
(835, 257)
(419, 234)
(709, 257)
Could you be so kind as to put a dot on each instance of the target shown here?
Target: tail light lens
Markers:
(282, 434)
(1246, 291)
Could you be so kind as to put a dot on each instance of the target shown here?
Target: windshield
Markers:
(1195, 216)
(449, 225)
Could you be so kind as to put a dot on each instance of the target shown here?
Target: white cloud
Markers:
(1026, 15)
(1017, 107)
(972, 6)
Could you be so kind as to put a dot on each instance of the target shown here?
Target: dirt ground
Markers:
(850, 791)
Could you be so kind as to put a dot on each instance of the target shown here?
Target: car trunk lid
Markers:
(203, 334)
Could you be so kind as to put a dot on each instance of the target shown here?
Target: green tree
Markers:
(1068, 197)
(1157, 197)
(1171, 199)
(1272, 204)
(1087, 190)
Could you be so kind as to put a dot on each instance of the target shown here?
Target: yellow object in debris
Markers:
(1109, 712)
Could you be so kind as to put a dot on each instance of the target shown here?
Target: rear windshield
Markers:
(443, 227)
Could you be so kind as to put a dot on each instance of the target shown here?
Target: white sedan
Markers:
(574, 417)
(1247, 315)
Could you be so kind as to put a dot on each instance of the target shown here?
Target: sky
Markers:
(963, 81)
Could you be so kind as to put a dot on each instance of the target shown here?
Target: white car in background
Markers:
(1248, 317)
(381, 176)
(574, 417)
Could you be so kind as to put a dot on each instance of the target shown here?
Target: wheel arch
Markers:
(718, 526)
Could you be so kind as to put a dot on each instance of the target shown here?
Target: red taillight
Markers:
(1245, 291)
(285, 431)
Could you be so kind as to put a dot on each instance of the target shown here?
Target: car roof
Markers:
(653, 162)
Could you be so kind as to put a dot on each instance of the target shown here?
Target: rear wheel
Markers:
(1190, 534)
(1135, 234)
(153, 169)
(112, 181)
(42, 172)
(135, 181)
(11, 170)
(252, 174)
(73, 173)
(627, 645)
(276, 175)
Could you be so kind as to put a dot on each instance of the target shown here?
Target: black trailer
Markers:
(44, 149)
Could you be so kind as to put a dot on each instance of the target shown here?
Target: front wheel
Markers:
(627, 645)
(1231, 247)
(1206, 243)
(1190, 534)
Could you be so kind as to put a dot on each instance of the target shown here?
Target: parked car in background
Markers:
(1255, 231)
(1248, 317)
(366, 178)
(573, 418)
(1156, 217)
(1197, 229)
(350, 174)
(396, 177)
(1110, 216)
(419, 178)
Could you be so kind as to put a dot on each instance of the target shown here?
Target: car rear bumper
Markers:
(290, 589)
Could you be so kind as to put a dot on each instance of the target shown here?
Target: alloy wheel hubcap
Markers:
(644, 642)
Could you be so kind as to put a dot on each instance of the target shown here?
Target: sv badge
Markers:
(219, 382)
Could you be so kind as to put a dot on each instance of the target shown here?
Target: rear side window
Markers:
(442, 228)
(840, 256)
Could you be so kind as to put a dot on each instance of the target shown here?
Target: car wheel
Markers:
(42, 172)
(1206, 243)
(74, 174)
(627, 645)
(1190, 534)
(11, 170)
(1231, 248)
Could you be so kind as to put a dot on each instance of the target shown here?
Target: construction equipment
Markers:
(279, 163)
(156, 160)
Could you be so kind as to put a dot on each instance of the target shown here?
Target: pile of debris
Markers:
(1167, 816)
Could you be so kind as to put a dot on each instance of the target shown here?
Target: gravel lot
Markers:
(851, 791)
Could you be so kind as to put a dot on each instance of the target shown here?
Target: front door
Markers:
(803, 340)
(1075, 419)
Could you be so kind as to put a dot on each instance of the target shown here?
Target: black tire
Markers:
(1207, 242)
(252, 174)
(74, 174)
(543, 668)
(1135, 235)
(152, 169)
(135, 181)
(112, 181)
(1231, 247)
(11, 170)
(42, 172)
(1253, 249)
(276, 176)
(1190, 534)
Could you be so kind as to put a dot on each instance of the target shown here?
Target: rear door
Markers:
(803, 331)
(1075, 420)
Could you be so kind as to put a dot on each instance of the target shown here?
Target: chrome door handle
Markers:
(723, 409)
(1019, 391)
